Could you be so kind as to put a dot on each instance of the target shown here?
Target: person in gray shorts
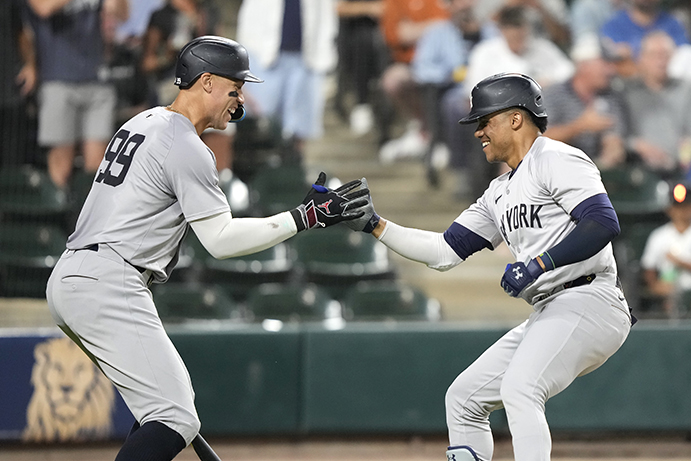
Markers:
(74, 105)
(158, 179)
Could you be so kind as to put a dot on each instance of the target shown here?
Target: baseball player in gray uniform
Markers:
(156, 180)
(554, 214)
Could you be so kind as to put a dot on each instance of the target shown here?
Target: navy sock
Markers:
(153, 441)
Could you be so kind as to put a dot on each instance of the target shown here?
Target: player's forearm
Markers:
(224, 236)
(423, 246)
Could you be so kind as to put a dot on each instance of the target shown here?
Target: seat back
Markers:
(27, 191)
(382, 300)
(178, 302)
(291, 303)
(635, 190)
(28, 253)
(277, 189)
(337, 250)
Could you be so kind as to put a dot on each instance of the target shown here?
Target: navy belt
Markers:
(580, 281)
(141, 270)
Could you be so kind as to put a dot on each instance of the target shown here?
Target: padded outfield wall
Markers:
(370, 378)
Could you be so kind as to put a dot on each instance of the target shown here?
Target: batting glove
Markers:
(518, 276)
(369, 219)
(323, 207)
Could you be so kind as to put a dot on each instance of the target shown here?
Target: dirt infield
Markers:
(414, 449)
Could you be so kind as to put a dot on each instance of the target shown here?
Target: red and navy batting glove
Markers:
(325, 207)
(518, 276)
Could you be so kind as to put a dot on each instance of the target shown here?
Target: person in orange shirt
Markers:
(403, 22)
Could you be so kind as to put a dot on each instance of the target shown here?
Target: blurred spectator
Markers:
(122, 69)
(292, 45)
(584, 111)
(74, 104)
(514, 49)
(666, 259)
(517, 50)
(169, 29)
(440, 63)
(657, 109)
(131, 31)
(403, 23)
(18, 80)
(548, 18)
(588, 16)
(627, 28)
(361, 59)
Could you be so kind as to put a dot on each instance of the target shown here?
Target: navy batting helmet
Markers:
(502, 91)
(215, 55)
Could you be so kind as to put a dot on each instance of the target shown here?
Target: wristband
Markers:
(298, 215)
(371, 224)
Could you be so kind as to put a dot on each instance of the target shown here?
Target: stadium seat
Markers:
(291, 303)
(236, 276)
(28, 193)
(635, 191)
(337, 258)
(178, 302)
(389, 300)
(276, 189)
(28, 253)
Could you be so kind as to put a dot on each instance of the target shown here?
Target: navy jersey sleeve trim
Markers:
(465, 242)
(597, 225)
(600, 209)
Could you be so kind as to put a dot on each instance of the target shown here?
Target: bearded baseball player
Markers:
(158, 179)
(554, 214)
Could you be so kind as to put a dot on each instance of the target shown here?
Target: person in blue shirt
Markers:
(627, 28)
(438, 65)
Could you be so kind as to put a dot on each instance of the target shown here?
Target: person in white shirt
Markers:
(666, 259)
(517, 49)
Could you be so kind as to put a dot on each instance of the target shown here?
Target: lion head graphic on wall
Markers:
(72, 399)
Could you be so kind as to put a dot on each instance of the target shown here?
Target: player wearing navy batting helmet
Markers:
(552, 211)
(156, 181)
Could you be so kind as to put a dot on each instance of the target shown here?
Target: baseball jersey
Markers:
(156, 176)
(529, 209)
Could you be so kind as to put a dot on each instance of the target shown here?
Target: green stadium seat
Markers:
(337, 258)
(389, 300)
(240, 274)
(277, 189)
(635, 191)
(28, 253)
(29, 192)
(291, 303)
(179, 302)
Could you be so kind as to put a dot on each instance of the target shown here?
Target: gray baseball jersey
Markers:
(529, 210)
(156, 176)
(569, 334)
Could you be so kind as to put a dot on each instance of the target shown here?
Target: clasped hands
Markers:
(350, 203)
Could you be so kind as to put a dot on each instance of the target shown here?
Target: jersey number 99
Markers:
(121, 150)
